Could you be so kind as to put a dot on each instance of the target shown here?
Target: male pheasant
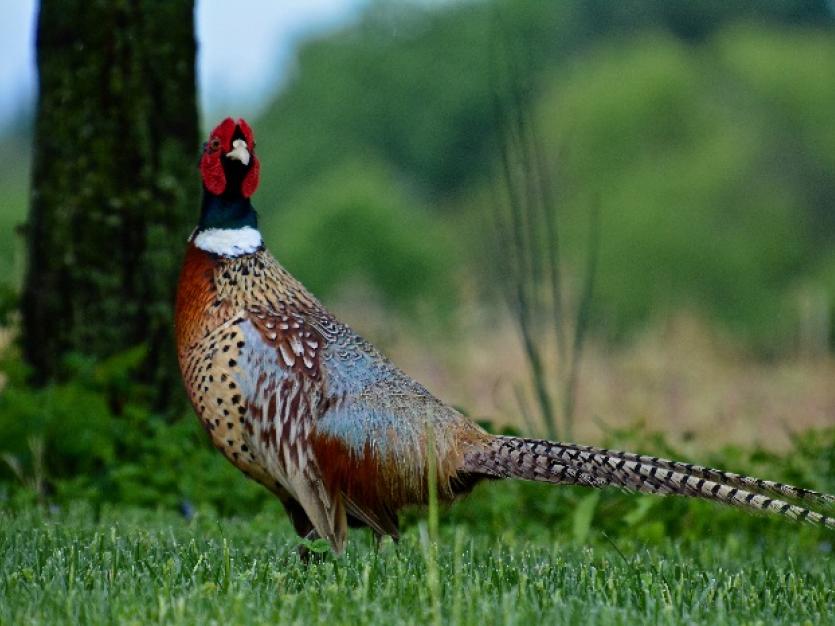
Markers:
(302, 404)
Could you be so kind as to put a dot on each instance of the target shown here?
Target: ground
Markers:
(128, 566)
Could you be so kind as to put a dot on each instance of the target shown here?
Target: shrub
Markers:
(355, 225)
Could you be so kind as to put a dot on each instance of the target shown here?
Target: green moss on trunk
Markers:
(114, 188)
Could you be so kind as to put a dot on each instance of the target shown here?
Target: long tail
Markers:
(568, 463)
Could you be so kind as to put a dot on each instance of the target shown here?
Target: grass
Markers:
(133, 566)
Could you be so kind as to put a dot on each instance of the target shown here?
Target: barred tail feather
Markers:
(566, 463)
(748, 483)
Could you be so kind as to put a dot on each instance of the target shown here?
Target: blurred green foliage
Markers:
(93, 439)
(704, 130)
(356, 225)
(711, 166)
(15, 154)
(706, 139)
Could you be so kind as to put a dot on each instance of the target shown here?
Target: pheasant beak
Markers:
(239, 151)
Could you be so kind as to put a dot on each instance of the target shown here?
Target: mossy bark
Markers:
(114, 186)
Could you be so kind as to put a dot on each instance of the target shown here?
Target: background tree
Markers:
(113, 189)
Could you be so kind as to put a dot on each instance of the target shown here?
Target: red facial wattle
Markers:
(253, 175)
(220, 142)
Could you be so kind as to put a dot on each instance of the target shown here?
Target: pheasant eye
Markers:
(214, 144)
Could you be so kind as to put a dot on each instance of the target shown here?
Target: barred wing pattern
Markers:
(282, 385)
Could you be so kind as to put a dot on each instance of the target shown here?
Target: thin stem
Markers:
(583, 318)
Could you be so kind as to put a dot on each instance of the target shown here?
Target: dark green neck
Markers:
(226, 212)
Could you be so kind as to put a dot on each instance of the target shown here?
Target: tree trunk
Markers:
(114, 183)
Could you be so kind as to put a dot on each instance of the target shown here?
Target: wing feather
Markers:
(283, 388)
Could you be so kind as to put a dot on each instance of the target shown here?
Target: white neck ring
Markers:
(229, 241)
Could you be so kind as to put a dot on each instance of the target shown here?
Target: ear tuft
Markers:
(250, 183)
(248, 134)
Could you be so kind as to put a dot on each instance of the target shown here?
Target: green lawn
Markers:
(132, 566)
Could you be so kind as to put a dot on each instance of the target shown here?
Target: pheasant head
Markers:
(229, 165)
(230, 171)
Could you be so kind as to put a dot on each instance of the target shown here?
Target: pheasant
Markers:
(300, 403)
